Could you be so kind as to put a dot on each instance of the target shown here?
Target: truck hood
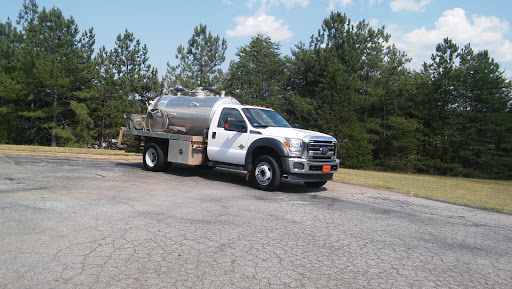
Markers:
(286, 132)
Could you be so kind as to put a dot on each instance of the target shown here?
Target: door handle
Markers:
(214, 135)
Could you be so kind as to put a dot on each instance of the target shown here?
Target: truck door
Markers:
(224, 145)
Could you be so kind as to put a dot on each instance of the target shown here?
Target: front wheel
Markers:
(266, 174)
(154, 158)
(315, 184)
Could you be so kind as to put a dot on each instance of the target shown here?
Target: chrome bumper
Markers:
(300, 166)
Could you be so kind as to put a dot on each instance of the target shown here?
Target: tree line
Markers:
(452, 117)
(55, 90)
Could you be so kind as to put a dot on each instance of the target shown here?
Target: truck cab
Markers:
(262, 142)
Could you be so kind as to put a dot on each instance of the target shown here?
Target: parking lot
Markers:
(77, 223)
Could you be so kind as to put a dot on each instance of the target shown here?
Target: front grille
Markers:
(321, 150)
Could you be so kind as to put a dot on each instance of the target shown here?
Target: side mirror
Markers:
(235, 125)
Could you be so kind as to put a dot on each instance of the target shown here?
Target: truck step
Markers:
(226, 166)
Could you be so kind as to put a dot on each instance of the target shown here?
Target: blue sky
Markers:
(416, 26)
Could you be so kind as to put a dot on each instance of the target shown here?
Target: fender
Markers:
(266, 142)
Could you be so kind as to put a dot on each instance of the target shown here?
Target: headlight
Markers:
(294, 146)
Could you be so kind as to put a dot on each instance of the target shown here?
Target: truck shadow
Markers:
(236, 178)
(228, 176)
(288, 187)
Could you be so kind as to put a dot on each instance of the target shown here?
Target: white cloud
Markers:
(345, 3)
(276, 29)
(409, 5)
(480, 31)
(290, 3)
(372, 3)
(342, 3)
(374, 22)
(266, 4)
(260, 22)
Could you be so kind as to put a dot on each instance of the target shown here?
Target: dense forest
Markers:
(452, 117)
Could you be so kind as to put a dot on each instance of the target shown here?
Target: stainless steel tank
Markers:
(189, 115)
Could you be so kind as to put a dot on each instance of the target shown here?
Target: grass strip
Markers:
(492, 194)
(21, 148)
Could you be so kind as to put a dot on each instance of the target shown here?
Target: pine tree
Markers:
(10, 126)
(52, 65)
(339, 77)
(199, 63)
(125, 82)
(259, 73)
(468, 124)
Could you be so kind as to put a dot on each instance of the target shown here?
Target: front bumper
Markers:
(300, 169)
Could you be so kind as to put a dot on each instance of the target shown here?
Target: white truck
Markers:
(218, 131)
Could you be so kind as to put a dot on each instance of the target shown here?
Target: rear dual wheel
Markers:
(154, 158)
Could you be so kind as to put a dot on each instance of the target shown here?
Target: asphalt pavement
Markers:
(75, 223)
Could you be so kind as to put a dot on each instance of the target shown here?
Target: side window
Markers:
(229, 113)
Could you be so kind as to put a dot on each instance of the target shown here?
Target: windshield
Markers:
(264, 118)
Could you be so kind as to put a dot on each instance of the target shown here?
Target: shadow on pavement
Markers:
(227, 176)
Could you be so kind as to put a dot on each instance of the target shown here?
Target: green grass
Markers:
(19, 148)
(490, 194)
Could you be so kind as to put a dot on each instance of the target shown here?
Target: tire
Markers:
(154, 158)
(315, 184)
(266, 174)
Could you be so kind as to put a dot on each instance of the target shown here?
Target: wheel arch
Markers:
(161, 142)
(265, 146)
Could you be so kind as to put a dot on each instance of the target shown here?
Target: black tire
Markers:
(154, 158)
(315, 184)
(266, 174)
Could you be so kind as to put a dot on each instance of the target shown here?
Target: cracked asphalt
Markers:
(68, 223)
